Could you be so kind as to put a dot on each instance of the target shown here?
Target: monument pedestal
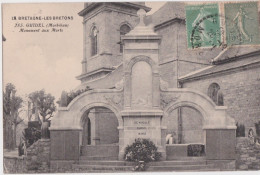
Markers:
(145, 125)
(65, 144)
(220, 144)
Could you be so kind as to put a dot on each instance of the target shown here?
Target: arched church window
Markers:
(216, 94)
(124, 29)
(94, 34)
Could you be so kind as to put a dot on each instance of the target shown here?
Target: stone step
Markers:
(106, 162)
(113, 168)
(184, 170)
(159, 163)
(178, 162)
(98, 158)
(181, 168)
(102, 168)
(188, 158)
(108, 150)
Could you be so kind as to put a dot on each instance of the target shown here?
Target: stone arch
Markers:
(214, 116)
(94, 40)
(142, 58)
(128, 80)
(123, 23)
(71, 115)
(91, 28)
(106, 127)
(216, 94)
(105, 105)
(192, 122)
(172, 106)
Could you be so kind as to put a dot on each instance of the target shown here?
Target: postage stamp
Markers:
(242, 23)
(203, 25)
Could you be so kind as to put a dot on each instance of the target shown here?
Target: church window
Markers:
(215, 94)
(124, 29)
(94, 35)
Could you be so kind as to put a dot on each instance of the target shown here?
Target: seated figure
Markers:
(169, 139)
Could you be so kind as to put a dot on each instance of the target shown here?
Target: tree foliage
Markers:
(43, 104)
(142, 150)
(11, 105)
(11, 102)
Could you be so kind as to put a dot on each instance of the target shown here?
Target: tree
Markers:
(11, 105)
(43, 104)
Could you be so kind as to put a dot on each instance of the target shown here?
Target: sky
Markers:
(50, 61)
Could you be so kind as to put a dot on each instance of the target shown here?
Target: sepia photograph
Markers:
(130, 87)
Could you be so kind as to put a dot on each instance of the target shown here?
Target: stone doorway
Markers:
(184, 133)
(100, 134)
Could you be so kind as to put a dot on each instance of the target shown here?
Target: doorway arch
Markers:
(100, 134)
(100, 126)
(188, 106)
(184, 126)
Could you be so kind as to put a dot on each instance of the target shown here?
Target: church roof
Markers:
(106, 82)
(168, 11)
(232, 58)
(233, 52)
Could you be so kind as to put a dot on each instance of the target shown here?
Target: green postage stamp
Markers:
(242, 23)
(203, 25)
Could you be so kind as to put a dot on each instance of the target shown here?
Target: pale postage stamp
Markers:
(242, 24)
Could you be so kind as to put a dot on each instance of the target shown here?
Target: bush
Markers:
(142, 150)
(31, 135)
(66, 98)
(196, 150)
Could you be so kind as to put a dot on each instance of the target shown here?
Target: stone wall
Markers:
(174, 46)
(14, 164)
(38, 157)
(36, 161)
(241, 91)
(247, 154)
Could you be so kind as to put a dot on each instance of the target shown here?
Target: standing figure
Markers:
(201, 27)
(251, 136)
(239, 20)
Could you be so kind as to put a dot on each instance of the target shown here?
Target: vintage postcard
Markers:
(113, 87)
